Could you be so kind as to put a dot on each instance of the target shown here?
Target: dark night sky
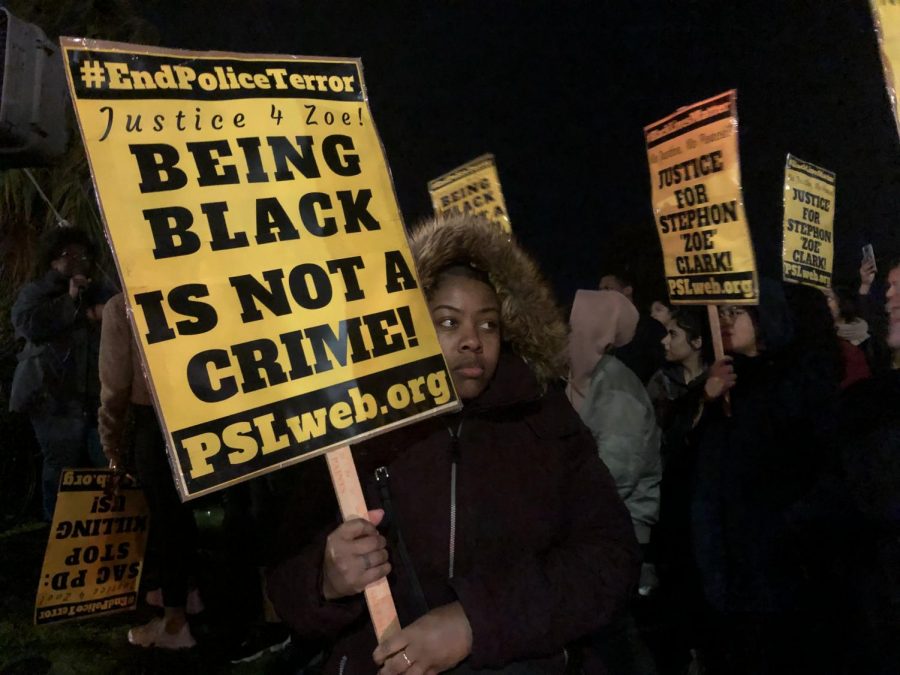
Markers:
(560, 92)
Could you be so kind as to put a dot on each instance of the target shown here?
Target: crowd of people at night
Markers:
(610, 498)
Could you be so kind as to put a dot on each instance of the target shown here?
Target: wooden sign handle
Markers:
(715, 328)
(353, 505)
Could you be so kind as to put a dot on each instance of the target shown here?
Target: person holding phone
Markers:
(56, 382)
(878, 354)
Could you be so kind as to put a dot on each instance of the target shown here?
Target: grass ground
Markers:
(99, 646)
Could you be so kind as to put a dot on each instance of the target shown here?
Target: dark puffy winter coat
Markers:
(753, 467)
(544, 551)
(58, 364)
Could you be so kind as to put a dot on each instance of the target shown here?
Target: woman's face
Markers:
(738, 331)
(660, 312)
(466, 316)
(73, 260)
(678, 347)
(893, 307)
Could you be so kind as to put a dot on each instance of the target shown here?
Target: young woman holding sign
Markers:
(504, 539)
(752, 469)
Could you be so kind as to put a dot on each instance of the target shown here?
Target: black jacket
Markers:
(544, 549)
(58, 364)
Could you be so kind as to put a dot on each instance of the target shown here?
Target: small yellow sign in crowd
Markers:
(808, 252)
(94, 557)
(886, 14)
(473, 188)
(695, 180)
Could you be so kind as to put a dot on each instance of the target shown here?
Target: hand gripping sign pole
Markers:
(353, 505)
(715, 329)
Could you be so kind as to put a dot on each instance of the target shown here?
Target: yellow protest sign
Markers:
(695, 180)
(886, 14)
(473, 188)
(808, 251)
(266, 267)
(95, 553)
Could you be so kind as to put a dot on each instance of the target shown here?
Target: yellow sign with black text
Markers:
(95, 554)
(808, 251)
(471, 189)
(266, 266)
(886, 14)
(695, 180)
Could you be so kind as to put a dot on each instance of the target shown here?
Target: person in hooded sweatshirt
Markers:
(613, 402)
(755, 460)
(504, 539)
(615, 406)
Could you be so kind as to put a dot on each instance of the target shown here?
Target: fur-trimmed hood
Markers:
(532, 324)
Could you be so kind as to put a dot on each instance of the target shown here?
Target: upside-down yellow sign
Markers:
(695, 180)
(887, 27)
(266, 267)
(473, 188)
(808, 251)
(95, 553)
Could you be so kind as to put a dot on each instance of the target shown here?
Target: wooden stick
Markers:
(353, 505)
(715, 328)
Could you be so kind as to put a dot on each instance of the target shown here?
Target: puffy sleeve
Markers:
(42, 311)
(619, 414)
(546, 599)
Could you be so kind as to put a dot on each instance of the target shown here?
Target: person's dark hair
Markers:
(622, 273)
(753, 313)
(663, 300)
(695, 324)
(772, 318)
(55, 240)
(848, 309)
(815, 340)
(459, 269)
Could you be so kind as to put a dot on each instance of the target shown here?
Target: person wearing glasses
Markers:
(56, 382)
(756, 457)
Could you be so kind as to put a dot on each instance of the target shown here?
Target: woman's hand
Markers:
(95, 312)
(866, 275)
(355, 556)
(432, 644)
(77, 284)
(720, 379)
